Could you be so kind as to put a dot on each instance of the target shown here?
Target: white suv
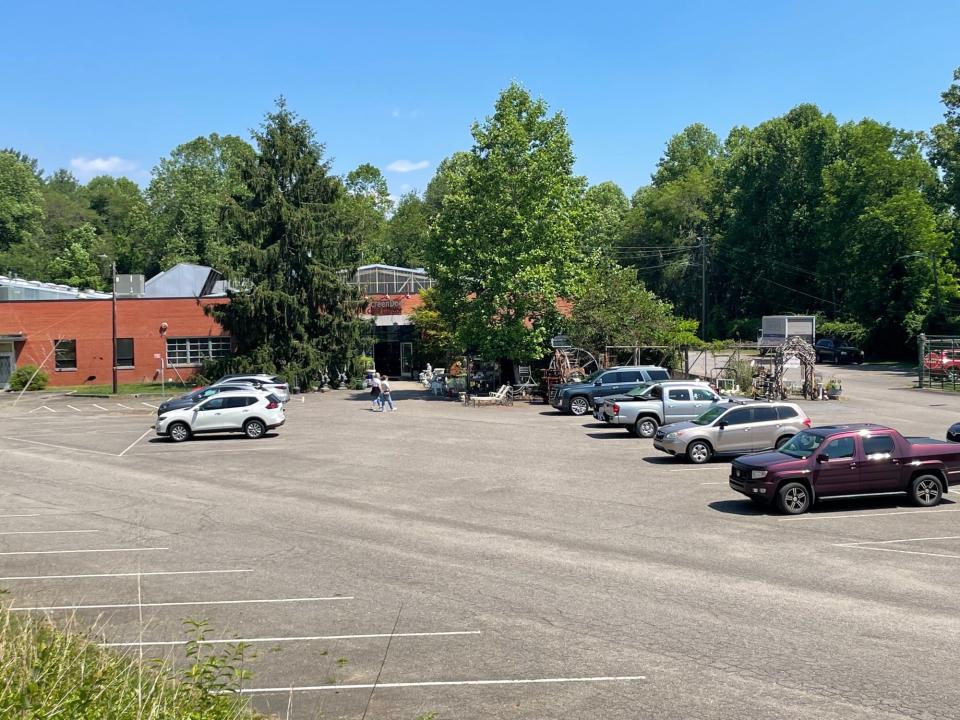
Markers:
(248, 411)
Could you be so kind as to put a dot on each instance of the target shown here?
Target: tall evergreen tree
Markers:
(295, 310)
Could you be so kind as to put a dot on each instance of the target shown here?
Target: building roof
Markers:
(186, 280)
(12, 288)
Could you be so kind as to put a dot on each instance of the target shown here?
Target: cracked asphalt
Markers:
(502, 544)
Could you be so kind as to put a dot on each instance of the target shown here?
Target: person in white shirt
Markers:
(375, 401)
(385, 398)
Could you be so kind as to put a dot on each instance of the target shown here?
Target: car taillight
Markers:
(807, 422)
(616, 409)
(272, 406)
(281, 387)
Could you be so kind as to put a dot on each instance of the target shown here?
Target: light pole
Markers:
(936, 275)
(113, 313)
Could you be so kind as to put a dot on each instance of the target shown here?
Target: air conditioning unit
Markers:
(128, 285)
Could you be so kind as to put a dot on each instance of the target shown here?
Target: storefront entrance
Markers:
(6, 363)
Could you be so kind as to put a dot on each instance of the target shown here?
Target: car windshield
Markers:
(710, 415)
(802, 445)
(640, 390)
(593, 376)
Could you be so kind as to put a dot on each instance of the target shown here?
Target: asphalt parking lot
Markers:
(526, 564)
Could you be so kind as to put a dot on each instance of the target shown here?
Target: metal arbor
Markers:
(793, 348)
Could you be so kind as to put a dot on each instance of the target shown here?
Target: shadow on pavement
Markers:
(612, 436)
(213, 437)
(741, 507)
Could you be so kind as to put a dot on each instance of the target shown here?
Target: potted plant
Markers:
(833, 388)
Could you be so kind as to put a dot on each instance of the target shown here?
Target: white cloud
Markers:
(405, 166)
(88, 167)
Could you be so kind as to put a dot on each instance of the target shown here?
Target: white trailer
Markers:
(775, 329)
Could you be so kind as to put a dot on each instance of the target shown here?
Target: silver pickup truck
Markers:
(661, 404)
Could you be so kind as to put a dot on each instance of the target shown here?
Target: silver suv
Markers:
(732, 430)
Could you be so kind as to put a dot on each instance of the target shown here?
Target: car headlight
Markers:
(672, 436)
(758, 474)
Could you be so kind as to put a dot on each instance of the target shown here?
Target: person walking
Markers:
(375, 401)
(385, 398)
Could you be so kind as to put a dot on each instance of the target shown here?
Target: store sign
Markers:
(384, 306)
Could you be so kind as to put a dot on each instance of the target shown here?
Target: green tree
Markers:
(121, 220)
(189, 197)
(21, 201)
(604, 209)
(438, 341)
(505, 243)
(296, 311)
(618, 310)
(367, 202)
(407, 233)
(75, 264)
(694, 148)
(945, 142)
(448, 177)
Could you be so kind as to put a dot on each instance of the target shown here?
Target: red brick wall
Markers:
(89, 323)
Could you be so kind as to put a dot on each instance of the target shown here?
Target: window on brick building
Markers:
(66, 355)
(193, 351)
(124, 352)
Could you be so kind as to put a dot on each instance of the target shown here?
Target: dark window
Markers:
(66, 355)
(825, 343)
(656, 392)
(214, 404)
(680, 394)
(740, 416)
(610, 378)
(193, 351)
(273, 398)
(764, 414)
(124, 352)
(701, 395)
(657, 375)
(785, 412)
(878, 445)
(840, 448)
(238, 402)
(631, 376)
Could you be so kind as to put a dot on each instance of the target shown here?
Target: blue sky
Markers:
(113, 87)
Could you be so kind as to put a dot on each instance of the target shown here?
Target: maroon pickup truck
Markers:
(833, 460)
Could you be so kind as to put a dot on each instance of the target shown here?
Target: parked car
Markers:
(188, 400)
(270, 383)
(732, 430)
(579, 398)
(661, 404)
(248, 411)
(943, 363)
(836, 351)
(837, 460)
(953, 432)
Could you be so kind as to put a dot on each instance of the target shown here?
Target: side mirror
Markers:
(722, 424)
(822, 458)
(597, 383)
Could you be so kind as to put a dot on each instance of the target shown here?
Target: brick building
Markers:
(69, 333)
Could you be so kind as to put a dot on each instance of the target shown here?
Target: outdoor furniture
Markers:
(503, 396)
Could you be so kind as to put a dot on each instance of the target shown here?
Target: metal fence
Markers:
(938, 361)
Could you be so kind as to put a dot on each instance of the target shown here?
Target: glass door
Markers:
(6, 368)
(406, 359)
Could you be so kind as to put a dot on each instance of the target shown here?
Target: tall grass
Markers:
(50, 671)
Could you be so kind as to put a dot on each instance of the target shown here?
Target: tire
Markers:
(782, 440)
(179, 432)
(579, 405)
(818, 359)
(699, 452)
(645, 427)
(926, 490)
(794, 498)
(254, 429)
(953, 375)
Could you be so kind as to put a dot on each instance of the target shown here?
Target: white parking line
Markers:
(99, 407)
(894, 550)
(58, 447)
(859, 515)
(186, 604)
(294, 639)
(442, 683)
(890, 542)
(27, 515)
(150, 405)
(74, 409)
(66, 552)
(124, 574)
(130, 446)
(125, 407)
(47, 532)
(42, 407)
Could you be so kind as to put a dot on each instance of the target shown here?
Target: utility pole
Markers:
(113, 334)
(703, 288)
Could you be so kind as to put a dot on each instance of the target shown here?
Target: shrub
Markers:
(21, 376)
(742, 373)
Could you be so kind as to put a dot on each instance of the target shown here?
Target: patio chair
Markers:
(503, 396)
